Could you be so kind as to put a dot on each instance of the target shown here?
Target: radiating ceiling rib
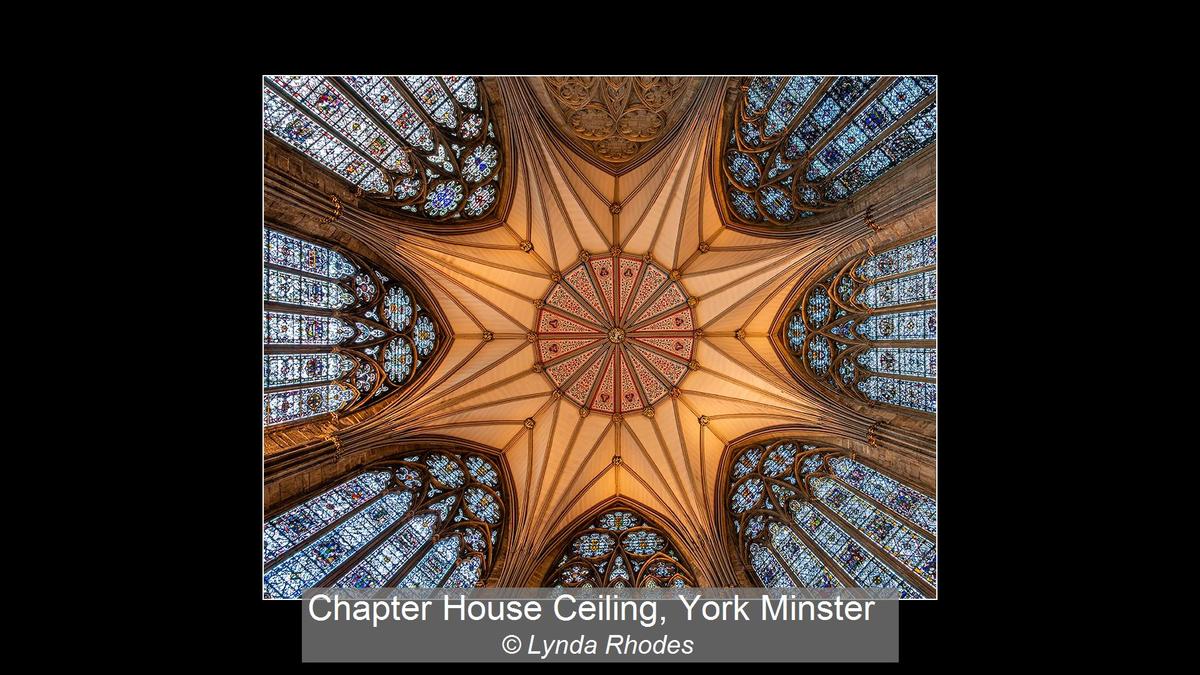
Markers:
(652, 199)
(688, 511)
(523, 303)
(560, 184)
(484, 391)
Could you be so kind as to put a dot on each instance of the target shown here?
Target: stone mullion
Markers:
(423, 548)
(884, 507)
(889, 277)
(439, 137)
(328, 528)
(787, 569)
(800, 165)
(843, 122)
(898, 566)
(309, 114)
(344, 281)
(375, 116)
(834, 172)
(826, 559)
(791, 126)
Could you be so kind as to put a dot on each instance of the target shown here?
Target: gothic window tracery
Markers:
(869, 330)
(424, 144)
(431, 519)
(338, 334)
(620, 549)
(800, 146)
(810, 516)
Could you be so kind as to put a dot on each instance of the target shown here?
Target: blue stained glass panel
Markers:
(382, 563)
(424, 335)
(433, 566)
(835, 155)
(282, 119)
(862, 566)
(900, 290)
(907, 393)
(807, 567)
(916, 361)
(287, 328)
(465, 575)
(904, 258)
(643, 542)
(293, 289)
(302, 521)
(888, 491)
(918, 324)
(308, 566)
(281, 370)
(900, 541)
(296, 404)
(305, 256)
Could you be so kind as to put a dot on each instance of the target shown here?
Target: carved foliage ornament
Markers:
(615, 116)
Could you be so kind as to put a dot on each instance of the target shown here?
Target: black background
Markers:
(212, 443)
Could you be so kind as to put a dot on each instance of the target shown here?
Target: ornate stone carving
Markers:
(337, 210)
(617, 118)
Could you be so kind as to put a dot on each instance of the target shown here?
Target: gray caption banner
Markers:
(599, 625)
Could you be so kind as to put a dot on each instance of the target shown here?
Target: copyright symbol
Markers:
(511, 644)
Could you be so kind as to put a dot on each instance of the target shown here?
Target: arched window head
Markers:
(338, 334)
(810, 516)
(800, 146)
(869, 330)
(432, 519)
(424, 144)
(620, 549)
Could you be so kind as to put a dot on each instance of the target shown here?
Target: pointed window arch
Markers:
(426, 145)
(800, 146)
(806, 515)
(431, 519)
(338, 334)
(620, 549)
(869, 330)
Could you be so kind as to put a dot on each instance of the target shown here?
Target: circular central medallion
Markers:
(615, 334)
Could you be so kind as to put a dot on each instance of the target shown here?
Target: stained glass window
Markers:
(433, 519)
(801, 145)
(812, 516)
(425, 144)
(620, 549)
(869, 331)
(325, 347)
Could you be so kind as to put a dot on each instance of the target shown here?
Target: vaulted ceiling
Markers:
(491, 387)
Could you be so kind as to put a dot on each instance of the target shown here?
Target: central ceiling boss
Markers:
(615, 333)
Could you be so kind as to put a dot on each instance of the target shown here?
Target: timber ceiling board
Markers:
(494, 388)
(616, 121)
